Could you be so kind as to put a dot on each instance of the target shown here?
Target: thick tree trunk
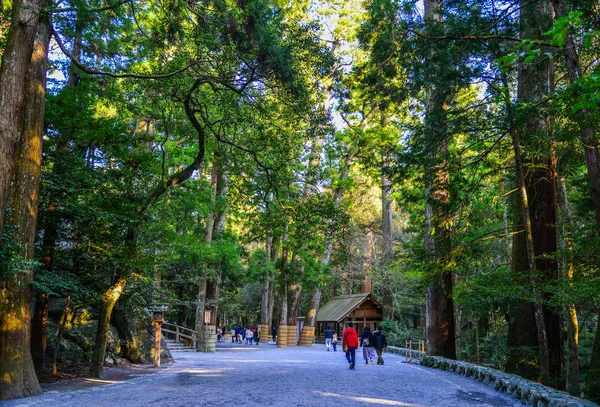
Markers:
(16, 365)
(440, 324)
(109, 299)
(539, 214)
(13, 74)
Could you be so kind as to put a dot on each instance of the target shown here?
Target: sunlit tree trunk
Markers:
(109, 299)
(17, 375)
(13, 74)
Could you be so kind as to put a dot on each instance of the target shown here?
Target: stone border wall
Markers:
(528, 392)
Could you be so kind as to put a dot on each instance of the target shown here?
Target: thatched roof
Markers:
(339, 307)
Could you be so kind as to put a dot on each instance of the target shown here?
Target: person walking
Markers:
(366, 341)
(257, 337)
(334, 341)
(328, 337)
(243, 332)
(274, 334)
(349, 344)
(233, 335)
(249, 336)
(379, 343)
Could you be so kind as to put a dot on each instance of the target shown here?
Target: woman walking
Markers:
(366, 341)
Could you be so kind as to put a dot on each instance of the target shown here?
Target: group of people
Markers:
(245, 335)
(370, 342)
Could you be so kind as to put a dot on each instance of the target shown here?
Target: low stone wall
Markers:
(528, 392)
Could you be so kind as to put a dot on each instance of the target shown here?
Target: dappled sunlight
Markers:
(101, 381)
(368, 400)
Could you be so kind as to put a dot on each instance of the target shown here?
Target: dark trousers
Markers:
(379, 356)
(351, 355)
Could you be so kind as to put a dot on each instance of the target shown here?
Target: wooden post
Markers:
(406, 351)
(157, 345)
(410, 343)
(176, 333)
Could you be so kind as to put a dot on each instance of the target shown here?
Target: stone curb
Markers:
(528, 392)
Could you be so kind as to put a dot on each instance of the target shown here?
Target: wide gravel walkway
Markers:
(244, 376)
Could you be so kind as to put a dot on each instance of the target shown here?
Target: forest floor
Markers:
(78, 377)
(264, 375)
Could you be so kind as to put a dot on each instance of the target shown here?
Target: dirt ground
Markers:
(78, 377)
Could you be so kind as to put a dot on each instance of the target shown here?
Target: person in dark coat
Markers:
(379, 343)
(366, 341)
(274, 334)
(328, 337)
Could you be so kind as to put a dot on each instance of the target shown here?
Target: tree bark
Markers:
(283, 308)
(39, 328)
(59, 334)
(539, 214)
(294, 309)
(440, 324)
(586, 126)
(109, 299)
(13, 74)
(203, 286)
(16, 364)
(570, 310)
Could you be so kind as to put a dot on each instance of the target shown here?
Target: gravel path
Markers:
(246, 376)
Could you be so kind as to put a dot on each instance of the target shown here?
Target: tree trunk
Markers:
(539, 214)
(39, 330)
(200, 305)
(203, 287)
(440, 324)
(296, 290)
(583, 118)
(59, 334)
(13, 75)
(109, 299)
(365, 284)
(570, 311)
(283, 308)
(387, 234)
(16, 365)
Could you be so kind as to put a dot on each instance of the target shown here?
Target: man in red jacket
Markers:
(350, 343)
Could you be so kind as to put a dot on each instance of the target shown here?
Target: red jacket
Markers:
(350, 338)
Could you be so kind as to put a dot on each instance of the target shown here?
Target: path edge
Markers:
(528, 392)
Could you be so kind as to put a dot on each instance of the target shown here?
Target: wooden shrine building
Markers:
(361, 309)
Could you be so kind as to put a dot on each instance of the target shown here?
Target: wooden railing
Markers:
(180, 334)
